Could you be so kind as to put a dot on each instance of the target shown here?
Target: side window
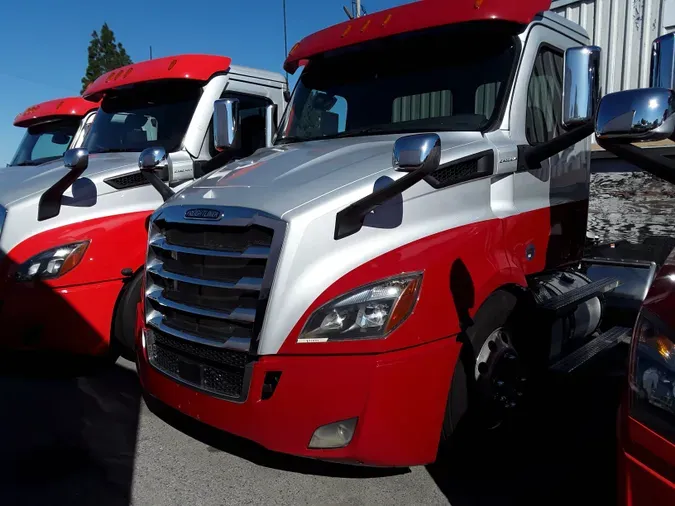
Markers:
(252, 123)
(49, 145)
(543, 119)
(322, 115)
(434, 104)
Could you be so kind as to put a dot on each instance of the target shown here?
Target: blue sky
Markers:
(43, 44)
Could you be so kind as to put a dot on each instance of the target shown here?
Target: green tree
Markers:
(104, 54)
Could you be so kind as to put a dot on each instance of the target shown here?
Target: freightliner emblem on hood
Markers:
(203, 214)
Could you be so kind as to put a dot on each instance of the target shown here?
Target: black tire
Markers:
(468, 406)
(124, 322)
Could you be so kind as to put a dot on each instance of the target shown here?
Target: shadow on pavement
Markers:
(67, 430)
(561, 451)
(253, 452)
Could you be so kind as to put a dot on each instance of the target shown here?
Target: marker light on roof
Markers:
(365, 25)
(386, 20)
(477, 4)
(347, 30)
(172, 64)
(129, 70)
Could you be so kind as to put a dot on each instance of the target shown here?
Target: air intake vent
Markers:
(127, 181)
(464, 169)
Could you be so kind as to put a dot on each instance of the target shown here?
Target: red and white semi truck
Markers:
(408, 252)
(73, 234)
(52, 127)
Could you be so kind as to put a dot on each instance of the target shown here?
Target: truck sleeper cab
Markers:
(73, 238)
(52, 128)
(315, 296)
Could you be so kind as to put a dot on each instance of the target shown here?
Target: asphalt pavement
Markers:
(80, 434)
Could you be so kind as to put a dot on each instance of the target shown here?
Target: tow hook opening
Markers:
(270, 384)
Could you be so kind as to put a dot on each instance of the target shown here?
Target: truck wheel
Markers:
(489, 377)
(124, 324)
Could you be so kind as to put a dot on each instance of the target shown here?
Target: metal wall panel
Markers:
(624, 29)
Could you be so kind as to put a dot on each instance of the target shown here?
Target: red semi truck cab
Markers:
(52, 127)
(72, 236)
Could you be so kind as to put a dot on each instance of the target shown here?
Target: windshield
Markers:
(432, 82)
(146, 115)
(46, 142)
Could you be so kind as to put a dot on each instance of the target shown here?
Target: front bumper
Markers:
(398, 397)
(75, 319)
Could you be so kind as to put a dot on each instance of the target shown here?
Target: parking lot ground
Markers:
(80, 434)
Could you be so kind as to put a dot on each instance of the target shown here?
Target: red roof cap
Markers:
(408, 18)
(199, 67)
(70, 106)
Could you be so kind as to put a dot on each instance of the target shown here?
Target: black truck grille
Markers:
(205, 295)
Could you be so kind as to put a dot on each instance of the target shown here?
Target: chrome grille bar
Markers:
(160, 242)
(240, 314)
(230, 343)
(157, 268)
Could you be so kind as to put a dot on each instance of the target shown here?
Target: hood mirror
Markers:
(580, 85)
(76, 159)
(646, 114)
(417, 152)
(226, 123)
(152, 159)
(149, 161)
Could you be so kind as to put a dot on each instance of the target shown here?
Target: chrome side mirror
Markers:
(152, 159)
(149, 161)
(417, 152)
(662, 66)
(580, 85)
(226, 123)
(270, 124)
(647, 114)
(76, 159)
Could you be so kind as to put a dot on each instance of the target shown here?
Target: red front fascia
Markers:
(198, 67)
(74, 312)
(398, 386)
(62, 107)
(399, 399)
(409, 18)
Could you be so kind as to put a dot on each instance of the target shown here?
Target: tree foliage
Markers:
(104, 54)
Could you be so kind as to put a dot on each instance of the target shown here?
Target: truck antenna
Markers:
(151, 52)
(283, 3)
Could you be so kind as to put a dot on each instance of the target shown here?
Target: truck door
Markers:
(552, 201)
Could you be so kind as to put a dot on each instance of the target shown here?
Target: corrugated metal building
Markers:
(624, 29)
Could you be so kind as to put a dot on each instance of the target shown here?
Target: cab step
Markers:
(603, 342)
(561, 304)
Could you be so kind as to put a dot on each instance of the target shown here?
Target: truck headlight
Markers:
(52, 263)
(369, 312)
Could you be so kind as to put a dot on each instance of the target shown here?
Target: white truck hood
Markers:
(279, 179)
(17, 183)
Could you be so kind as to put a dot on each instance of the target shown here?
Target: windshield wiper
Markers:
(115, 150)
(292, 138)
(346, 133)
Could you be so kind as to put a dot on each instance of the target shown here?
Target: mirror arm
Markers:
(658, 165)
(50, 201)
(530, 157)
(163, 189)
(350, 219)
